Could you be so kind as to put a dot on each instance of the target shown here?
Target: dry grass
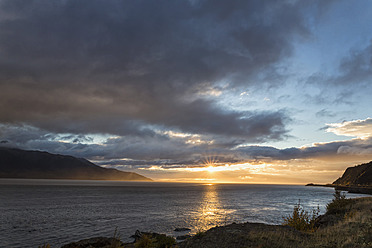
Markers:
(353, 230)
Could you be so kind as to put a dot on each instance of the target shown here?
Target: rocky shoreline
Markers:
(344, 225)
(351, 189)
(113, 242)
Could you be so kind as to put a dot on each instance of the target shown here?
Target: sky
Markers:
(191, 90)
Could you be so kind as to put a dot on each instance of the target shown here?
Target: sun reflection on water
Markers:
(210, 212)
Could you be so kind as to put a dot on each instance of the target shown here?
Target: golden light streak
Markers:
(210, 166)
(211, 171)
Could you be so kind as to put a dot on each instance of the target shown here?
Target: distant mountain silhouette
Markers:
(360, 175)
(16, 163)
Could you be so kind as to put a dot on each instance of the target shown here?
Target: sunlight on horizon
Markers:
(273, 172)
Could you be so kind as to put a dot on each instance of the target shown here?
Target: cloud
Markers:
(347, 83)
(119, 67)
(357, 67)
(354, 150)
(324, 113)
(169, 151)
(143, 84)
(356, 128)
(353, 71)
(321, 151)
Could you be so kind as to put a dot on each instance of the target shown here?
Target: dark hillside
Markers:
(360, 175)
(16, 163)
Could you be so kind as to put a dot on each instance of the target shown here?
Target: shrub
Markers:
(155, 241)
(338, 204)
(199, 234)
(301, 219)
(145, 242)
(163, 241)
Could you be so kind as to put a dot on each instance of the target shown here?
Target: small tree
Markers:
(338, 204)
(301, 219)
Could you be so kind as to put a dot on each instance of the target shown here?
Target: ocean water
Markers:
(35, 212)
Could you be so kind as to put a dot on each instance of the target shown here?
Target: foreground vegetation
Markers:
(346, 224)
(301, 220)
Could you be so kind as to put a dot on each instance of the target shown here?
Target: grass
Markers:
(354, 229)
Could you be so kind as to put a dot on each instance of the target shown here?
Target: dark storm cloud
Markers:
(31, 138)
(118, 66)
(143, 147)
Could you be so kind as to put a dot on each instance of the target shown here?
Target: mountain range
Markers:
(16, 163)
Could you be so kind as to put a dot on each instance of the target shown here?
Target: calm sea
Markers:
(34, 212)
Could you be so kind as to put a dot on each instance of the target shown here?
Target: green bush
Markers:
(339, 203)
(301, 219)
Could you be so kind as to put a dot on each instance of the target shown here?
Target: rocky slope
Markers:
(360, 175)
(357, 179)
(16, 163)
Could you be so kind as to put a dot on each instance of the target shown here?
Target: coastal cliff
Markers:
(356, 179)
(360, 175)
(16, 163)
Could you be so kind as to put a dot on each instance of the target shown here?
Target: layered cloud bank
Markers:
(181, 156)
(166, 86)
